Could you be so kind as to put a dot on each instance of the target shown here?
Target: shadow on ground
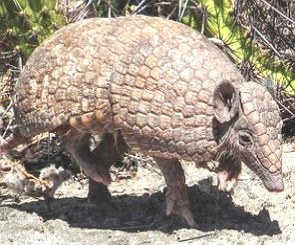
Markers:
(147, 212)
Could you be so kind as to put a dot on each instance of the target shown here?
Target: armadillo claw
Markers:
(184, 211)
(97, 172)
(225, 183)
(98, 177)
(178, 203)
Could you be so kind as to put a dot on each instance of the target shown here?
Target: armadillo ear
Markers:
(225, 101)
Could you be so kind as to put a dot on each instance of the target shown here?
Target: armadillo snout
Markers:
(263, 167)
(270, 157)
(271, 161)
(276, 184)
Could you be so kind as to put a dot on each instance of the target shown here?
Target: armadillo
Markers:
(160, 87)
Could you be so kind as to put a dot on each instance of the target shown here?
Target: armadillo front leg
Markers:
(176, 198)
(228, 172)
(78, 145)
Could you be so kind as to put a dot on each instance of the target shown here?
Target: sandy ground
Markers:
(136, 214)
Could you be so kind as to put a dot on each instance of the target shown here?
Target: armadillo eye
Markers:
(245, 139)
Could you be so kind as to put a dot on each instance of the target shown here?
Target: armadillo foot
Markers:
(176, 197)
(225, 183)
(228, 172)
(98, 193)
(184, 211)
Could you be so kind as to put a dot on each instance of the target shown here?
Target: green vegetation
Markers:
(26, 23)
(252, 60)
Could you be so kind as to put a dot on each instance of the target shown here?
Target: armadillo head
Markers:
(251, 125)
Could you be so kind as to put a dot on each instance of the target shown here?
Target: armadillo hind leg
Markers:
(176, 198)
(109, 150)
(77, 144)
